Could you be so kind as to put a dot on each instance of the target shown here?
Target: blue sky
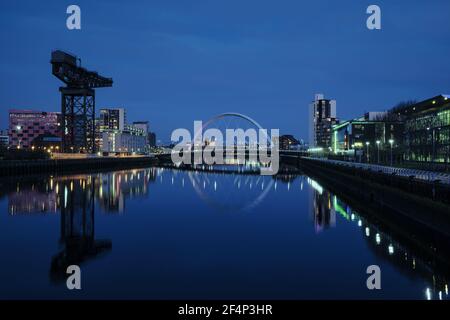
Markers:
(174, 62)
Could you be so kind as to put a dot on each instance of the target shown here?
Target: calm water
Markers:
(164, 234)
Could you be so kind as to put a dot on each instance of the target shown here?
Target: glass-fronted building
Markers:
(366, 138)
(427, 130)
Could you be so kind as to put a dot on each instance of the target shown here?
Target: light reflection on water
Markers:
(79, 199)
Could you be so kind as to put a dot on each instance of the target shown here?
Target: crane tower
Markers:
(77, 101)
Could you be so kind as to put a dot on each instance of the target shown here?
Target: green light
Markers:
(339, 209)
(335, 141)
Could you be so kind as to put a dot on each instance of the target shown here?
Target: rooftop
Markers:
(425, 106)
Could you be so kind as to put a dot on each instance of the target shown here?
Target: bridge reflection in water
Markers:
(77, 198)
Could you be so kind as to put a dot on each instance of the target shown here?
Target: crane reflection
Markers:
(77, 198)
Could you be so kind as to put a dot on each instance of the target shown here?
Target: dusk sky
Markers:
(174, 62)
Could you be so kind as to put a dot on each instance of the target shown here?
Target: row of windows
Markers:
(428, 122)
(428, 137)
(31, 128)
(440, 155)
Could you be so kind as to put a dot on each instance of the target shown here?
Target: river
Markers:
(159, 233)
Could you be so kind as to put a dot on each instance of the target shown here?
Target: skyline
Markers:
(199, 60)
(225, 158)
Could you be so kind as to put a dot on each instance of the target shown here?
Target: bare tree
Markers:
(393, 113)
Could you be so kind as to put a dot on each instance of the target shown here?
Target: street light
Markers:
(378, 151)
(391, 142)
(367, 144)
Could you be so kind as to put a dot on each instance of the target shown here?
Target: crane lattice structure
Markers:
(77, 102)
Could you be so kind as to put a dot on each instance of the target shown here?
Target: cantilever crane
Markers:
(77, 101)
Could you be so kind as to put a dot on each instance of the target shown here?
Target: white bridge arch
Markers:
(232, 115)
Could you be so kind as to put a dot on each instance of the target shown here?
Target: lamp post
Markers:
(378, 151)
(391, 142)
(368, 157)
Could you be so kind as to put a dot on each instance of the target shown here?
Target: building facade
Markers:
(27, 125)
(152, 139)
(131, 140)
(112, 118)
(288, 142)
(427, 130)
(4, 139)
(47, 142)
(144, 125)
(322, 118)
(371, 139)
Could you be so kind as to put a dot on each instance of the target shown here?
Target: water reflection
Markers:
(77, 219)
(50, 195)
(403, 253)
(230, 192)
(77, 197)
(322, 209)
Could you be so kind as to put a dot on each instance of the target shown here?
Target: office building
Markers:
(27, 125)
(367, 138)
(322, 117)
(288, 142)
(143, 125)
(427, 130)
(131, 140)
(112, 118)
(152, 139)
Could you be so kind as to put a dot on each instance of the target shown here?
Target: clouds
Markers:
(200, 58)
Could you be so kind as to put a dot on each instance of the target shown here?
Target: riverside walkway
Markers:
(424, 175)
